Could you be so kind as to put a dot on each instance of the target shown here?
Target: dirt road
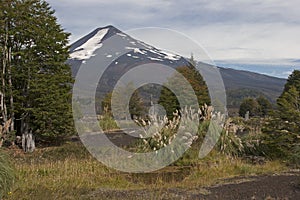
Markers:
(275, 187)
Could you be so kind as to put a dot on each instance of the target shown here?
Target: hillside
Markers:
(239, 84)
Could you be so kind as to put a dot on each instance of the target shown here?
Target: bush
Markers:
(230, 144)
(7, 175)
(295, 156)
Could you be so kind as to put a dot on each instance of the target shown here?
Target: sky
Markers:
(255, 35)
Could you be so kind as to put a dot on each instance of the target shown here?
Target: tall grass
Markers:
(69, 172)
(6, 175)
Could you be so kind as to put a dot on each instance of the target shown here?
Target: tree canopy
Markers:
(256, 107)
(35, 81)
(283, 129)
(168, 99)
(136, 105)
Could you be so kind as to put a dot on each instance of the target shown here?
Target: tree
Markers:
(168, 99)
(293, 80)
(136, 105)
(289, 101)
(264, 106)
(283, 130)
(6, 67)
(289, 104)
(256, 107)
(249, 105)
(37, 82)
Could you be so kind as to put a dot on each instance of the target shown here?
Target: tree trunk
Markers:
(28, 142)
(11, 99)
(4, 64)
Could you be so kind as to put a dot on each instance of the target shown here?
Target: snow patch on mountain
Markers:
(87, 50)
(136, 50)
(122, 34)
(156, 59)
(171, 56)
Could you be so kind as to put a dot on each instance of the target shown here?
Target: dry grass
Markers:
(69, 172)
(6, 174)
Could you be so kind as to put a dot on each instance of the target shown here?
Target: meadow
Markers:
(70, 172)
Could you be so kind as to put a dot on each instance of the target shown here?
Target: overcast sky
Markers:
(232, 31)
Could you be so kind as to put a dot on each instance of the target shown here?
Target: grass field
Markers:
(69, 172)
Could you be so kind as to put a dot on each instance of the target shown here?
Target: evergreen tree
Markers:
(264, 106)
(168, 99)
(249, 105)
(38, 86)
(293, 80)
(136, 105)
(283, 130)
(289, 101)
(256, 107)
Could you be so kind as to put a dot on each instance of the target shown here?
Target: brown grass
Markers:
(69, 172)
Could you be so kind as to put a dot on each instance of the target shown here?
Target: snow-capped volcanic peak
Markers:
(86, 50)
(86, 47)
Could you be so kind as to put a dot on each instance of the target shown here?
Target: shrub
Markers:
(253, 145)
(230, 144)
(295, 156)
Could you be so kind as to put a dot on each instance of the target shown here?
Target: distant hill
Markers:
(239, 84)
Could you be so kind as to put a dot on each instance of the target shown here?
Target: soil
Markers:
(272, 187)
(285, 187)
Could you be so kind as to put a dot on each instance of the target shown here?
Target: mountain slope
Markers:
(237, 83)
(236, 79)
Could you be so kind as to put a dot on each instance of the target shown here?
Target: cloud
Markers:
(250, 29)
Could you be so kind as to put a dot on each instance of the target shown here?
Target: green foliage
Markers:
(168, 99)
(289, 101)
(295, 155)
(253, 145)
(136, 105)
(265, 106)
(283, 128)
(293, 80)
(236, 97)
(251, 105)
(7, 175)
(289, 104)
(230, 144)
(256, 107)
(40, 79)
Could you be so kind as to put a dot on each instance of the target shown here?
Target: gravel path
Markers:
(276, 187)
